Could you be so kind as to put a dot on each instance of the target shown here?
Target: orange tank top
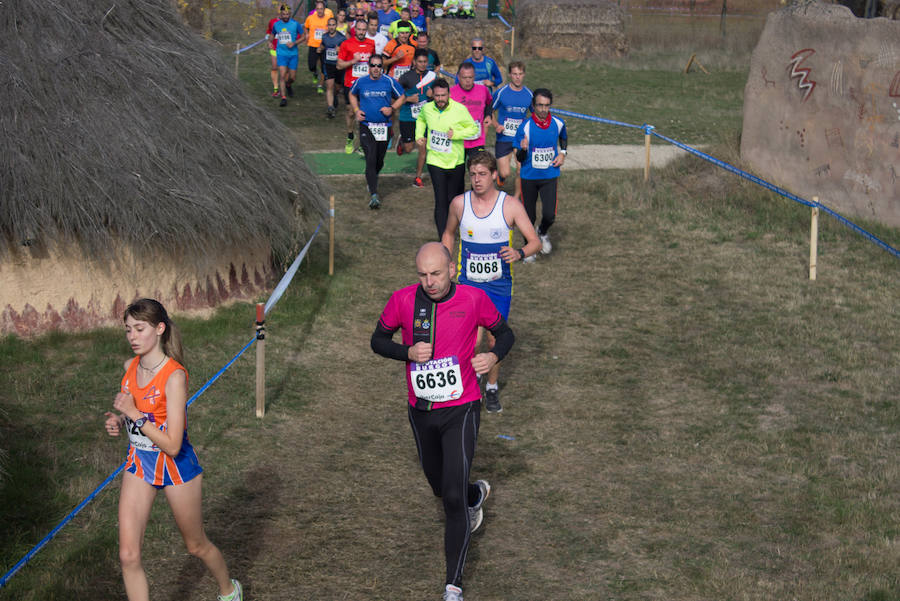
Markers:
(151, 399)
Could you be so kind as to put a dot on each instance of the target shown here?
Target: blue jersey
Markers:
(385, 19)
(512, 109)
(542, 148)
(479, 263)
(374, 94)
(286, 33)
(486, 69)
(420, 22)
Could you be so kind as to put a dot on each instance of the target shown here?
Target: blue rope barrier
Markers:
(504, 21)
(592, 118)
(253, 45)
(34, 550)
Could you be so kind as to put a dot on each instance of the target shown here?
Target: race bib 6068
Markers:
(485, 267)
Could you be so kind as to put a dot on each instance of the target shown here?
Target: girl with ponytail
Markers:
(152, 406)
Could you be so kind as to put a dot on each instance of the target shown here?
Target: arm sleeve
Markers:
(503, 339)
(563, 138)
(496, 75)
(420, 125)
(384, 345)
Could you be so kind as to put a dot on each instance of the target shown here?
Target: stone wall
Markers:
(452, 40)
(822, 109)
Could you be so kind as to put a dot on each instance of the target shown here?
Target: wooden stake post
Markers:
(331, 236)
(237, 59)
(260, 360)
(814, 239)
(647, 149)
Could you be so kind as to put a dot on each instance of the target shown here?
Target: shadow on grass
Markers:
(237, 522)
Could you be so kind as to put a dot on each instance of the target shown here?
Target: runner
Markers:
(466, 9)
(416, 85)
(273, 55)
(386, 15)
(398, 53)
(404, 18)
(511, 105)
(331, 43)
(476, 98)
(289, 34)
(316, 25)
(485, 218)
(374, 34)
(486, 70)
(343, 25)
(353, 59)
(541, 144)
(448, 123)
(371, 97)
(418, 17)
(434, 61)
(438, 321)
(152, 411)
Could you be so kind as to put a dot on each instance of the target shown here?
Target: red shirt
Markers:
(345, 53)
(269, 33)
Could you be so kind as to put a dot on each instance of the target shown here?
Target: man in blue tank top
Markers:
(485, 218)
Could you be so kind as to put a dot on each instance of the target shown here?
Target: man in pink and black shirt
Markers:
(439, 322)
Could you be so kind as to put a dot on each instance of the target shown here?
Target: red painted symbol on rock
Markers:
(804, 82)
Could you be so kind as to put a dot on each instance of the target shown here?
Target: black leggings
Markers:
(374, 152)
(547, 190)
(445, 439)
(448, 184)
(314, 58)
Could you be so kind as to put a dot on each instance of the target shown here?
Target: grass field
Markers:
(686, 415)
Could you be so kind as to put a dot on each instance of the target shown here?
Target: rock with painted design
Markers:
(822, 109)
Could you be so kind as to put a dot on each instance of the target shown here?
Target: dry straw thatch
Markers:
(121, 126)
(571, 29)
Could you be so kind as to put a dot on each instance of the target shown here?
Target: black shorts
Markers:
(472, 151)
(501, 149)
(313, 58)
(407, 131)
(332, 72)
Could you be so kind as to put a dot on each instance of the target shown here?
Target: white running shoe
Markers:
(452, 593)
(546, 247)
(236, 595)
(529, 259)
(476, 516)
(485, 489)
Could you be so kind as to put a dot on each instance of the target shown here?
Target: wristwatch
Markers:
(139, 422)
(563, 152)
(521, 253)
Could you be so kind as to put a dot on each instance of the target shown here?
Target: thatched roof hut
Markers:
(133, 164)
(570, 29)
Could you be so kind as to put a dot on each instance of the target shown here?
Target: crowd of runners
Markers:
(452, 323)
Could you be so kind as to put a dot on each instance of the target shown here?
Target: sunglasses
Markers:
(477, 47)
(375, 65)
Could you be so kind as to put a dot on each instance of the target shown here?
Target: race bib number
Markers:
(439, 141)
(416, 108)
(477, 135)
(138, 440)
(541, 158)
(318, 34)
(398, 70)
(484, 267)
(284, 37)
(331, 54)
(379, 131)
(438, 380)
(360, 69)
(511, 126)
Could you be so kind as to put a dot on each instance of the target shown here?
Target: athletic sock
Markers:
(494, 386)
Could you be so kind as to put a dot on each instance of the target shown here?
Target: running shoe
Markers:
(236, 595)
(546, 247)
(361, 152)
(530, 259)
(452, 593)
(485, 490)
(320, 90)
(348, 147)
(476, 516)
(330, 112)
(374, 203)
(501, 182)
(276, 93)
(315, 80)
(283, 101)
(399, 149)
(289, 90)
(492, 400)
(417, 183)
